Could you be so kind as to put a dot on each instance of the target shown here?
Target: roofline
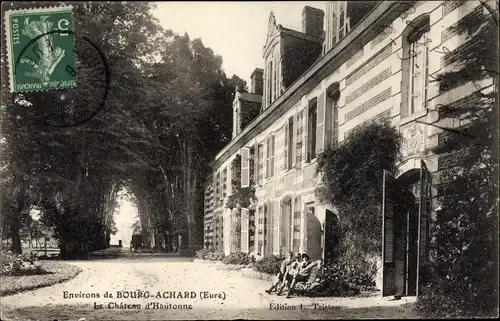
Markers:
(329, 61)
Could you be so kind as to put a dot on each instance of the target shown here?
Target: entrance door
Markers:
(405, 231)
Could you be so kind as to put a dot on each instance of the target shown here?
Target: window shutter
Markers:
(245, 167)
(260, 171)
(388, 269)
(271, 162)
(244, 230)
(298, 148)
(268, 152)
(285, 148)
(328, 121)
(320, 124)
(423, 223)
(305, 115)
(297, 217)
(276, 228)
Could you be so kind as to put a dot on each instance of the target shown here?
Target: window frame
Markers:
(422, 64)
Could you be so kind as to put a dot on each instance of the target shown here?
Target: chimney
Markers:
(312, 21)
(257, 81)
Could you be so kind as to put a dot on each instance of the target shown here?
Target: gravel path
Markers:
(212, 294)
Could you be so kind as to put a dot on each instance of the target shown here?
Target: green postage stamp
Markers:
(40, 49)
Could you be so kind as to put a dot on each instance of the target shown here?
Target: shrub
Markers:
(19, 264)
(269, 264)
(239, 258)
(210, 254)
(202, 253)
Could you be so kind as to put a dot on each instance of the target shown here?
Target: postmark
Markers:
(38, 58)
(78, 92)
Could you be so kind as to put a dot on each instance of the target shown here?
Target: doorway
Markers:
(406, 210)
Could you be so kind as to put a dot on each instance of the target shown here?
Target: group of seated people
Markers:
(292, 270)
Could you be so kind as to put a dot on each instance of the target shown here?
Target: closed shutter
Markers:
(244, 229)
(245, 167)
(388, 273)
(320, 124)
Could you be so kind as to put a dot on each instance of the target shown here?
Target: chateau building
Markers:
(358, 62)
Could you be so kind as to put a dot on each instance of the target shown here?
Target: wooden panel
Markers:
(388, 273)
(245, 167)
(244, 230)
(320, 124)
(423, 223)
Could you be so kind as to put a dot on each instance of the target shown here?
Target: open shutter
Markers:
(271, 161)
(320, 124)
(305, 115)
(423, 223)
(245, 167)
(244, 229)
(268, 221)
(285, 148)
(276, 228)
(388, 269)
(298, 138)
(252, 160)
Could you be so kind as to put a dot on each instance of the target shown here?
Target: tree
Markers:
(351, 181)
(463, 280)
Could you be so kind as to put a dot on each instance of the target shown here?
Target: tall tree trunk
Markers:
(16, 223)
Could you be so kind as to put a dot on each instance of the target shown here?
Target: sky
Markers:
(126, 216)
(234, 30)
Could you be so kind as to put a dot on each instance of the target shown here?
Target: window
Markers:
(275, 79)
(237, 121)
(290, 144)
(415, 66)
(334, 30)
(311, 131)
(269, 82)
(419, 68)
(341, 23)
(270, 157)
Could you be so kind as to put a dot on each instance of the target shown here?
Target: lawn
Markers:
(57, 272)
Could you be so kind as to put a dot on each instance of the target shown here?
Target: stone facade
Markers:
(362, 76)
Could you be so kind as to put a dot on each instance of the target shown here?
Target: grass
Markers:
(56, 272)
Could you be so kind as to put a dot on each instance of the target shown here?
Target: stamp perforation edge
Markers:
(8, 14)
